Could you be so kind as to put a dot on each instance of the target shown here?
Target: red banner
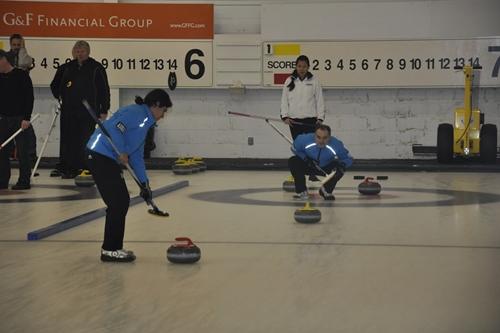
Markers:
(107, 20)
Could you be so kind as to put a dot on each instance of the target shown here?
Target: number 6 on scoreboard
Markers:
(189, 63)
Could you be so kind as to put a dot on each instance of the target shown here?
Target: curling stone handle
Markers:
(185, 239)
(368, 179)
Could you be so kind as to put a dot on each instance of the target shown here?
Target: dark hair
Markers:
(294, 75)
(156, 97)
(15, 36)
(324, 128)
(304, 59)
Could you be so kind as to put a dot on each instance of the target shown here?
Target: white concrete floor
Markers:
(411, 260)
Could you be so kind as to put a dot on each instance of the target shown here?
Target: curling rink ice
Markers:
(423, 256)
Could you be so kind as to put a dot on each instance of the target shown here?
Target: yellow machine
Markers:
(468, 137)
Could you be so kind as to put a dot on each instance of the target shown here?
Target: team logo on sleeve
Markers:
(121, 127)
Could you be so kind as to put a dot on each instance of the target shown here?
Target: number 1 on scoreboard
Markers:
(268, 49)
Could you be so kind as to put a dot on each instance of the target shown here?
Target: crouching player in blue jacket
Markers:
(128, 128)
(315, 152)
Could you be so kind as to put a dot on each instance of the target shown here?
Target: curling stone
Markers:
(84, 179)
(202, 165)
(195, 168)
(181, 160)
(199, 163)
(183, 168)
(183, 253)
(289, 184)
(307, 215)
(369, 187)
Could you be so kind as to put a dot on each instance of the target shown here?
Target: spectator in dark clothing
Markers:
(62, 165)
(24, 61)
(16, 98)
(81, 78)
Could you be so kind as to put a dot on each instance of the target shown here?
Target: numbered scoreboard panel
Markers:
(417, 63)
(130, 63)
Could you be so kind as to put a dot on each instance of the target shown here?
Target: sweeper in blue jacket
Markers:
(318, 153)
(128, 128)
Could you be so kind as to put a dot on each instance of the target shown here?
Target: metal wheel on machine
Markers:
(445, 143)
(488, 143)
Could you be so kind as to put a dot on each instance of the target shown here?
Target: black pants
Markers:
(79, 129)
(31, 141)
(64, 134)
(8, 126)
(149, 144)
(300, 169)
(108, 177)
(309, 127)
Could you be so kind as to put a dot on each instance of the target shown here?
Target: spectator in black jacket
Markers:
(24, 61)
(16, 100)
(81, 78)
(62, 165)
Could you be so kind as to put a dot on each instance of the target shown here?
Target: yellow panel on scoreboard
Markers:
(286, 49)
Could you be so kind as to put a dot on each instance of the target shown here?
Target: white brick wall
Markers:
(373, 123)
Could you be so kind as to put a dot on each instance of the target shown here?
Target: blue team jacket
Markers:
(128, 128)
(305, 147)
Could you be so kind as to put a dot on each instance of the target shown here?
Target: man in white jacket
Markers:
(302, 104)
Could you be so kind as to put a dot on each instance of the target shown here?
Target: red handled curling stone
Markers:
(183, 253)
(368, 187)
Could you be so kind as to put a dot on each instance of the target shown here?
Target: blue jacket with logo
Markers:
(305, 147)
(128, 128)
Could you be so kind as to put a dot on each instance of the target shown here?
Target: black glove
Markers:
(341, 167)
(146, 193)
(313, 165)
